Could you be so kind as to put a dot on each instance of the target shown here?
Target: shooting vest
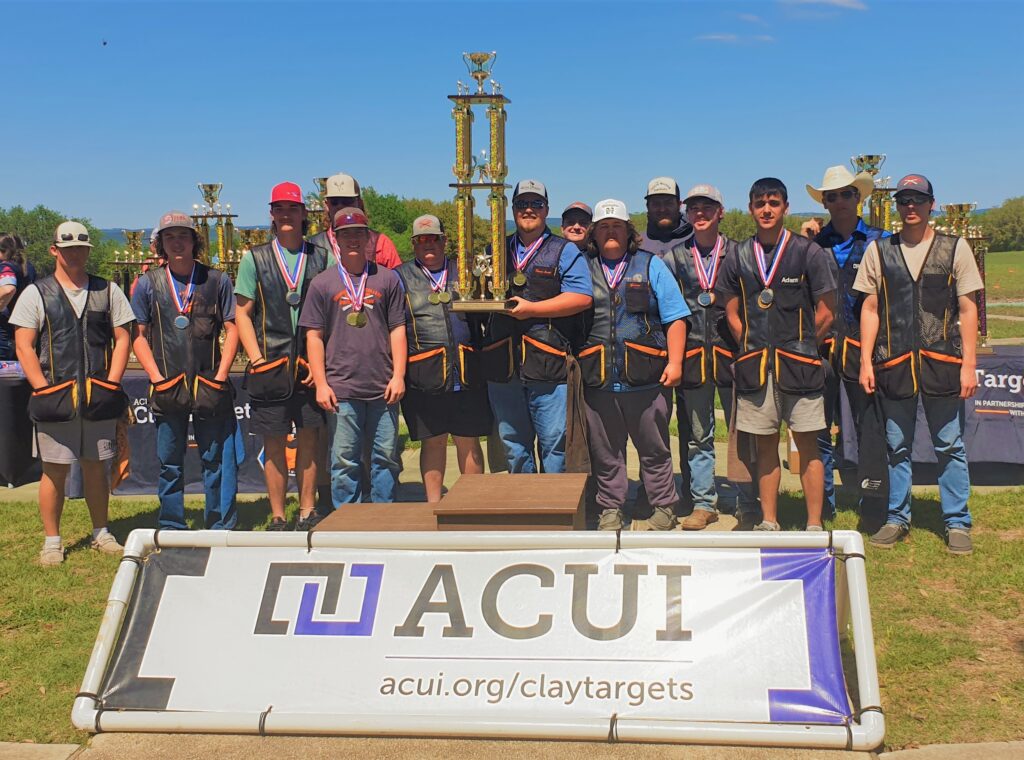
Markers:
(72, 347)
(436, 361)
(272, 316)
(195, 349)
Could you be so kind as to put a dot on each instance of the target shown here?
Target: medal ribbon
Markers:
(291, 278)
(707, 278)
(355, 293)
(436, 285)
(780, 248)
(614, 275)
(184, 302)
(521, 261)
(334, 245)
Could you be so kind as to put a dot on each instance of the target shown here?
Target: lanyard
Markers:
(613, 276)
(356, 293)
(768, 275)
(522, 260)
(184, 302)
(437, 285)
(707, 278)
(291, 278)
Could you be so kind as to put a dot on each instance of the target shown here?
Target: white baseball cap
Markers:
(70, 234)
(610, 209)
(662, 186)
(341, 186)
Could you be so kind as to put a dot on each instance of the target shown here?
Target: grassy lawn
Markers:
(1005, 328)
(1004, 276)
(947, 630)
(1007, 311)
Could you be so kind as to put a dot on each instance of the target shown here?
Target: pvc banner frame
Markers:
(830, 567)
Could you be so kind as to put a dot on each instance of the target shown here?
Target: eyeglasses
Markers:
(66, 237)
(523, 205)
(575, 221)
(832, 197)
(912, 200)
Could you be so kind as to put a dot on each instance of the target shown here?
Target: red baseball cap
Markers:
(350, 216)
(288, 192)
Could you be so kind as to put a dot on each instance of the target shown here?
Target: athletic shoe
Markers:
(278, 524)
(664, 518)
(767, 525)
(958, 541)
(107, 544)
(611, 519)
(51, 556)
(308, 522)
(814, 529)
(888, 535)
(699, 519)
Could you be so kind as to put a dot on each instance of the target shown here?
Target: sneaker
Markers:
(958, 541)
(51, 556)
(663, 518)
(814, 529)
(308, 522)
(278, 524)
(888, 536)
(767, 525)
(699, 519)
(611, 519)
(107, 544)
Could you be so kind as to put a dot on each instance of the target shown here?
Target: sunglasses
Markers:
(576, 221)
(67, 237)
(913, 200)
(832, 197)
(523, 205)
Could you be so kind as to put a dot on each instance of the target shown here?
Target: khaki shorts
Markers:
(67, 442)
(760, 413)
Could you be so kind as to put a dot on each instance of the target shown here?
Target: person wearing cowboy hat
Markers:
(844, 238)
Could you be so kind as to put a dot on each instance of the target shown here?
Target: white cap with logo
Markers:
(610, 209)
(662, 186)
(342, 186)
(70, 233)
(530, 186)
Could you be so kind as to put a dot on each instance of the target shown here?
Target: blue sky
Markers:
(604, 97)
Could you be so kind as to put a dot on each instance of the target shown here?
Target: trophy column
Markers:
(880, 204)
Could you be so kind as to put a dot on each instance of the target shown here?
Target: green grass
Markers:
(1005, 328)
(1008, 311)
(1004, 276)
(947, 629)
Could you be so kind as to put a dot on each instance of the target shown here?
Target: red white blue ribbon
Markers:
(437, 284)
(183, 302)
(613, 275)
(356, 293)
(521, 260)
(767, 275)
(291, 278)
(707, 278)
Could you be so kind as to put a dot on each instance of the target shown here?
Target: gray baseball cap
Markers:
(530, 186)
(705, 191)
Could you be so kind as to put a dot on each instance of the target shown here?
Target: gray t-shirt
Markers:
(28, 311)
(358, 359)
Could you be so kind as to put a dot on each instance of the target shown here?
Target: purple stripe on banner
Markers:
(826, 701)
(305, 625)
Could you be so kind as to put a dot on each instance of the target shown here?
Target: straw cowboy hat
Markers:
(838, 177)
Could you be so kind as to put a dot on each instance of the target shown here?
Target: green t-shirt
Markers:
(245, 280)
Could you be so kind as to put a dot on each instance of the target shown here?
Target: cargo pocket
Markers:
(427, 370)
(798, 373)
(104, 400)
(213, 398)
(170, 396)
(591, 361)
(750, 371)
(940, 373)
(896, 378)
(721, 366)
(54, 403)
(269, 381)
(849, 360)
(694, 367)
(496, 362)
(645, 363)
(543, 362)
(469, 367)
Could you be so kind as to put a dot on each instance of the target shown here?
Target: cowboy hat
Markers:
(838, 177)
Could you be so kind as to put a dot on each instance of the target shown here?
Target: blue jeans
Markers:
(216, 442)
(354, 423)
(695, 413)
(825, 443)
(528, 412)
(746, 497)
(946, 424)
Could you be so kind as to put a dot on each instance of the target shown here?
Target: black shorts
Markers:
(465, 413)
(277, 417)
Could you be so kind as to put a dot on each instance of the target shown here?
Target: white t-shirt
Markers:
(965, 269)
(29, 312)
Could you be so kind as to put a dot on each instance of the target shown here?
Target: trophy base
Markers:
(480, 306)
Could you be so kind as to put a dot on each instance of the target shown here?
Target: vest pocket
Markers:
(896, 378)
(591, 361)
(427, 370)
(849, 360)
(694, 367)
(269, 381)
(170, 396)
(470, 374)
(543, 361)
(543, 283)
(213, 398)
(54, 403)
(935, 298)
(750, 371)
(721, 366)
(203, 322)
(645, 362)
(940, 373)
(638, 298)
(798, 373)
(496, 363)
(827, 350)
(104, 400)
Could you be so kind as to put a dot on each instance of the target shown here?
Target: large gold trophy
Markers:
(212, 212)
(958, 222)
(482, 282)
(880, 204)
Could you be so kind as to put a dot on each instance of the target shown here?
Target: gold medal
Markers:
(444, 297)
(434, 298)
(519, 280)
(353, 318)
(361, 320)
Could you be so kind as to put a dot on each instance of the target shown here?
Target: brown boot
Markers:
(699, 519)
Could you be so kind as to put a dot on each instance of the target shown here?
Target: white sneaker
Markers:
(51, 556)
(107, 544)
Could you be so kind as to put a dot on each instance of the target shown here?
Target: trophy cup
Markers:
(880, 204)
(129, 262)
(482, 282)
(222, 219)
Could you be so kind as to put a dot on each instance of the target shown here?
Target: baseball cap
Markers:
(70, 233)
(342, 186)
(579, 206)
(287, 192)
(530, 186)
(428, 224)
(662, 186)
(705, 191)
(175, 219)
(916, 183)
(350, 216)
(610, 209)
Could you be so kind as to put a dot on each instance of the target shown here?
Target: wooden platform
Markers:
(478, 502)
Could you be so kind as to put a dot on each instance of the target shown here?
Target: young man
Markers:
(444, 393)
(666, 227)
(844, 238)
(354, 318)
(696, 265)
(343, 192)
(919, 332)
(524, 359)
(576, 219)
(181, 309)
(72, 341)
(273, 279)
(779, 298)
